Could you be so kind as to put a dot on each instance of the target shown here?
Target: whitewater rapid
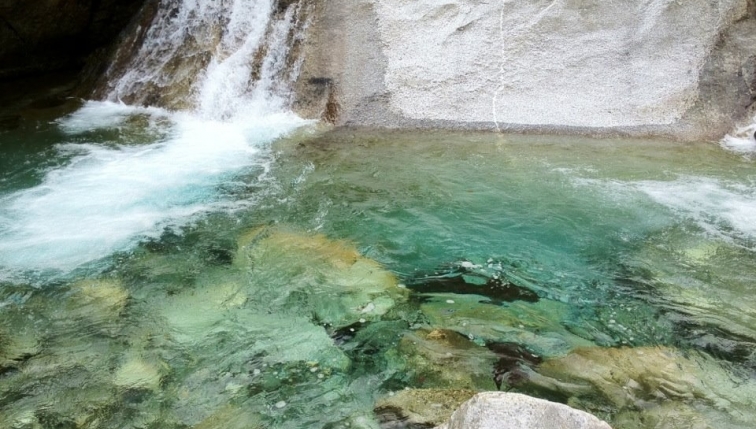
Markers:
(108, 198)
(109, 195)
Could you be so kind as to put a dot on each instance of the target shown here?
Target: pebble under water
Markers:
(365, 279)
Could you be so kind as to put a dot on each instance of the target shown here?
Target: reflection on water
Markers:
(377, 274)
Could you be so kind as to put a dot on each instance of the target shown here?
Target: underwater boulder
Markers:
(231, 417)
(311, 274)
(137, 374)
(94, 306)
(17, 346)
(539, 326)
(644, 377)
(668, 415)
(419, 408)
(444, 359)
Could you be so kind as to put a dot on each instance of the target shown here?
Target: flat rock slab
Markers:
(499, 410)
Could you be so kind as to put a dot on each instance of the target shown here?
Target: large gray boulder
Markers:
(684, 69)
(499, 410)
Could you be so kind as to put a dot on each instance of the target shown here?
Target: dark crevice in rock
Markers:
(13, 30)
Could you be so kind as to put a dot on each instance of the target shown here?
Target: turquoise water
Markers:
(322, 273)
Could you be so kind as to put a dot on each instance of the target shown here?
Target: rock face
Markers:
(658, 67)
(497, 410)
(49, 35)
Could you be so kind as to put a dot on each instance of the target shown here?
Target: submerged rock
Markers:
(497, 410)
(538, 326)
(419, 408)
(327, 279)
(100, 301)
(137, 374)
(444, 359)
(668, 415)
(15, 347)
(646, 377)
(231, 417)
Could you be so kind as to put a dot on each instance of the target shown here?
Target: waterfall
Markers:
(207, 84)
(218, 57)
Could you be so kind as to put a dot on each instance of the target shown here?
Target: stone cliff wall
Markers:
(682, 69)
(46, 35)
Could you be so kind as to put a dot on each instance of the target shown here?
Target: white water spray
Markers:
(742, 140)
(108, 197)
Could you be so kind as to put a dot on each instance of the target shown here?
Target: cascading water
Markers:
(742, 140)
(227, 65)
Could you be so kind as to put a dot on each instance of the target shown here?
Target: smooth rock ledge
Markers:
(499, 410)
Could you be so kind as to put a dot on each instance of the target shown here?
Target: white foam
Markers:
(102, 115)
(723, 209)
(741, 141)
(106, 198)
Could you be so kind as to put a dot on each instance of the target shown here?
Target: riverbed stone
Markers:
(420, 407)
(231, 417)
(137, 374)
(327, 279)
(17, 346)
(100, 301)
(539, 326)
(499, 410)
(644, 377)
(444, 359)
(668, 415)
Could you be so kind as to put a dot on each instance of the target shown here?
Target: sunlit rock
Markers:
(443, 358)
(420, 407)
(537, 65)
(498, 410)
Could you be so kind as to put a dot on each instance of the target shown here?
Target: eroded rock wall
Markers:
(682, 69)
(47, 35)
